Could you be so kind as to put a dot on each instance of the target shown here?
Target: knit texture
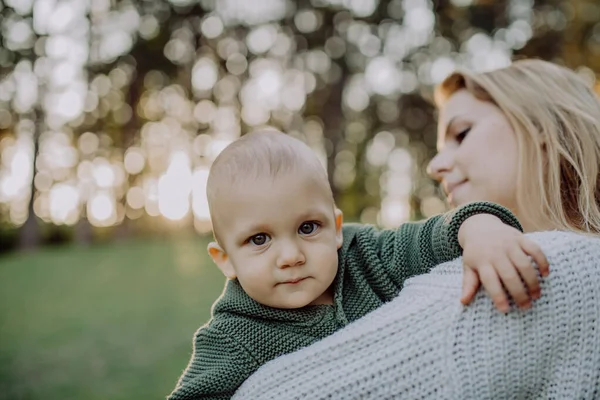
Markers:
(373, 266)
(426, 345)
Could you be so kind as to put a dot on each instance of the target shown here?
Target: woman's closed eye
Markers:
(308, 227)
(460, 136)
(259, 239)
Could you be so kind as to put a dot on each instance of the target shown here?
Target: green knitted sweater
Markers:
(373, 265)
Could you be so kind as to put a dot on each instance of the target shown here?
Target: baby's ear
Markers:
(339, 221)
(220, 258)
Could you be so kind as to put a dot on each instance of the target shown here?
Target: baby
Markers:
(295, 273)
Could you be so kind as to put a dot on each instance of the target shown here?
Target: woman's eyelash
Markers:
(460, 136)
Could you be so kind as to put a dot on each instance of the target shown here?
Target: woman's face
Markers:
(477, 152)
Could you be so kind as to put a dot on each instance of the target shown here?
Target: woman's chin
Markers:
(454, 204)
(455, 201)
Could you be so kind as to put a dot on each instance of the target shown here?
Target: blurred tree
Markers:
(18, 57)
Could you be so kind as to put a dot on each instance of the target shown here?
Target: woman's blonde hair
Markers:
(556, 117)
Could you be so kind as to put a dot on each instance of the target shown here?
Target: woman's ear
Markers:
(339, 221)
(220, 258)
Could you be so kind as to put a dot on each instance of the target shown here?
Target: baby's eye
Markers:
(308, 227)
(259, 239)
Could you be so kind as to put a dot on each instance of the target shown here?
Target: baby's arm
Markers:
(219, 365)
(416, 247)
(496, 253)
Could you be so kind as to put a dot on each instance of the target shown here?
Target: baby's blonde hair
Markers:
(556, 117)
(258, 155)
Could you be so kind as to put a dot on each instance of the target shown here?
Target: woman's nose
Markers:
(290, 255)
(440, 165)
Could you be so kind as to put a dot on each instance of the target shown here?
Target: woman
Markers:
(527, 137)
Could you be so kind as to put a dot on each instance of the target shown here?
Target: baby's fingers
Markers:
(533, 249)
(525, 268)
(512, 282)
(491, 282)
(470, 285)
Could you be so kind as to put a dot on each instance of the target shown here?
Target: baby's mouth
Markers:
(294, 281)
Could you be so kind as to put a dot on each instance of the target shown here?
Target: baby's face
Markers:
(281, 238)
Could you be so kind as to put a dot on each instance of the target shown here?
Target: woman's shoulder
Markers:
(570, 255)
(563, 237)
(569, 251)
(573, 285)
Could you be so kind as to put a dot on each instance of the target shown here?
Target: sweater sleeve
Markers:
(416, 247)
(218, 366)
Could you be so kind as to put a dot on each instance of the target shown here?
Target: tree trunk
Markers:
(29, 234)
(332, 117)
(83, 231)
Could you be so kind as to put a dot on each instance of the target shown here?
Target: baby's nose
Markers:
(290, 256)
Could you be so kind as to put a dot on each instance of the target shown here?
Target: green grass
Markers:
(108, 322)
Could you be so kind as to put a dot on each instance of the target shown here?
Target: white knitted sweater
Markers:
(426, 345)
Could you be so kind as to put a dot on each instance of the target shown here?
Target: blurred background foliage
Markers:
(111, 112)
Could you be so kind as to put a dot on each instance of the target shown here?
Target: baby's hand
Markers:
(500, 257)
